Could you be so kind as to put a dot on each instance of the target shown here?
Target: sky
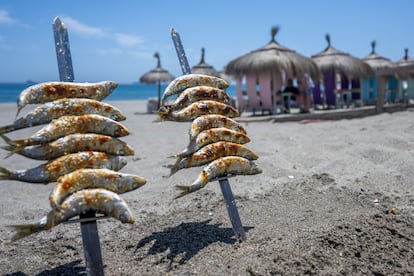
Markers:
(116, 40)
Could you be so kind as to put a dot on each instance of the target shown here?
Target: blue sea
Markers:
(9, 92)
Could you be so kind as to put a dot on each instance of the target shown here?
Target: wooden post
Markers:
(224, 183)
(89, 228)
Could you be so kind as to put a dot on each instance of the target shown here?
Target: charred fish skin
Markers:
(213, 135)
(49, 111)
(212, 152)
(111, 180)
(66, 125)
(197, 109)
(213, 121)
(199, 93)
(50, 91)
(222, 167)
(99, 200)
(52, 170)
(70, 144)
(190, 80)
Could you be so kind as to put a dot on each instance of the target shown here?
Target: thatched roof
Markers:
(333, 60)
(203, 68)
(404, 66)
(273, 58)
(156, 75)
(376, 61)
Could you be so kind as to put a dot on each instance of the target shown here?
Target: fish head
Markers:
(118, 162)
(127, 150)
(111, 85)
(255, 169)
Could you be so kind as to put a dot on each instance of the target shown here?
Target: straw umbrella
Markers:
(266, 67)
(404, 66)
(158, 76)
(273, 58)
(378, 64)
(338, 66)
(203, 68)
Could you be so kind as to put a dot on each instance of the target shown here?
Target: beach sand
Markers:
(335, 197)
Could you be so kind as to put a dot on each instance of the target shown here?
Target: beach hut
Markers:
(157, 76)
(261, 73)
(341, 76)
(203, 68)
(405, 74)
(369, 84)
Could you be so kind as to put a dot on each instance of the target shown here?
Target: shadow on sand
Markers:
(72, 268)
(186, 240)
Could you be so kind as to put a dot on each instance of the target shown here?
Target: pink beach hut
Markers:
(259, 74)
(341, 75)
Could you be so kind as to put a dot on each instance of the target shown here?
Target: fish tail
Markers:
(5, 129)
(24, 230)
(4, 174)
(11, 148)
(20, 144)
(185, 190)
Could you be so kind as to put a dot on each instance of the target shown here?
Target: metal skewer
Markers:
(224, 182)
(89, 228)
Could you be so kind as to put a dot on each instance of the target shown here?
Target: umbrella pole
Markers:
(159, 95)
(224, 183)
(89, 227)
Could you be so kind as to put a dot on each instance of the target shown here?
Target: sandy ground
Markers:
(335, 197)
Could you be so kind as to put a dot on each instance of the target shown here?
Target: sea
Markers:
(9, 92)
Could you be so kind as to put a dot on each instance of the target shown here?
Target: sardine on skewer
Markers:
(198, 93)
(49, 111)
(213, 135)
(66, 125)
(197, 109)
(50, 91)
(116, 182)
(52, 170)
(70, 144)
(99, 200)
(222, 167)
(190, 80)
(212, 152)
(213, 121)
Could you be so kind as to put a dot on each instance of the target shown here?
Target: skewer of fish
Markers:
(209, 121)
(116, 182)
(212, 152)
(99, 200)
(49, 111)
(66, 125)
(190, 80)
(52, 170)
(50, 91)
(222, 167)
(198, 93)
(197, 109)
(70, 144)
(210, 136)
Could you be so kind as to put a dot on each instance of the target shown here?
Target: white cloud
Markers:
(140, 54)
(77, 27)
(127, 40)
(5, 18)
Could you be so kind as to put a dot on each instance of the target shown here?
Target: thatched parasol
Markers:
(157, 75)
(203, 68)
(273, 58)
(333, 60)
(404, 66)
(376, 61)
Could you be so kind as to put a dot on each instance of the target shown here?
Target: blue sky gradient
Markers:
(116, 40)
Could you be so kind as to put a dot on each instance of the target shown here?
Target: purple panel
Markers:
(329, 82)
(317, 93)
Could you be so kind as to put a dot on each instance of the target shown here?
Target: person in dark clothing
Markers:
(292, 89)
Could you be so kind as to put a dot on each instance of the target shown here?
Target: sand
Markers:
(335, 197)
